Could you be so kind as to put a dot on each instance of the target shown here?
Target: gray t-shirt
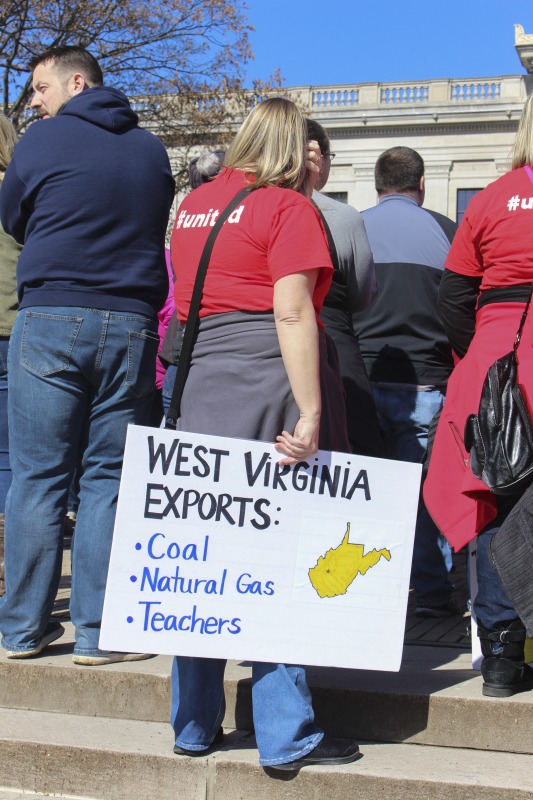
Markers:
(353, 250)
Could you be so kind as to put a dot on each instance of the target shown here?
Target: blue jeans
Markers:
(405, 417)
(77, 377)
(168, 387)
(283, 714)
(5, 469)
(493, 609)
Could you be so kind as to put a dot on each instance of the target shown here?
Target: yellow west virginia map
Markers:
(335, 571)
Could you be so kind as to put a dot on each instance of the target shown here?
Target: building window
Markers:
(464, 196)
(342, 197)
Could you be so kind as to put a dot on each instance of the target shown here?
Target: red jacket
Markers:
(460, 504)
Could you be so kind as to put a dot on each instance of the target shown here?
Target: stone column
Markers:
(363, 195)
(437, 181)
(502, 165)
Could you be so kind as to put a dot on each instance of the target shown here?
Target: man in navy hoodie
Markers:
(88, 193)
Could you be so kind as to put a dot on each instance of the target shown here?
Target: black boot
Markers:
(503, 669)
(2, 576)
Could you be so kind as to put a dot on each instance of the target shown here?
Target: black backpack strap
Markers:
(191, 328)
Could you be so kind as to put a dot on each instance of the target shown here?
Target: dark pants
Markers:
(492, 607)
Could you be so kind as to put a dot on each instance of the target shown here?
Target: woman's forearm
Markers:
(298, 338)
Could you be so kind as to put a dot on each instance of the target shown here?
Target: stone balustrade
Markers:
(380, 96)
(411, 94)
(328, 97)
(408, 94)
(387, 95)
(466, 92)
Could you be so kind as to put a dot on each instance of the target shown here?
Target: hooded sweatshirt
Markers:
(88, 193)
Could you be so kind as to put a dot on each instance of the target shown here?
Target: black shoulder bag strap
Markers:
(191, 327)
(522, 321)
(331, 243)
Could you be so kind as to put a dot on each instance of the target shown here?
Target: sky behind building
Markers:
(351, 41)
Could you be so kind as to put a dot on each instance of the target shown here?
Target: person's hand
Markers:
(302, 444)
(313, 156)
(313, 163)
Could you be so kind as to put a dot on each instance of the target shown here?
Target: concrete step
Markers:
(434, 700)
(117, 759)
(20, 794)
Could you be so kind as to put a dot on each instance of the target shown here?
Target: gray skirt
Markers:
(237, 385)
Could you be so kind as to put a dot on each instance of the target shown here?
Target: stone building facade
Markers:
(463, 129)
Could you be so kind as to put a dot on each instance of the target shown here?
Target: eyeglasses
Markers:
(331, 156)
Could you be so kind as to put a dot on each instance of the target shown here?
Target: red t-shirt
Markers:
(273, 233)
(495, 238)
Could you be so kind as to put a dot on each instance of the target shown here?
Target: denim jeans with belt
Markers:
(77, 377)
(283, 714)
(405, 416)
(5, 469)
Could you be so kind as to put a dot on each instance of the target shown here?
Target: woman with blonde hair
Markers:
(9, 253)
(483, 292)
(260, 369)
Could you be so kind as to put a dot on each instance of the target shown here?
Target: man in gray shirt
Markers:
(353, 288)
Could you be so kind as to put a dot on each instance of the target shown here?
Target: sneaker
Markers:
(449, 609)
(53, 631)
(181, 751)
(328, 752)
(69, 524)
(109, 657)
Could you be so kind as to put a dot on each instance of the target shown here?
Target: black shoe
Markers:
(449, 609)
(503, 670)
(329, 751)
(504, 678)
(219, 738)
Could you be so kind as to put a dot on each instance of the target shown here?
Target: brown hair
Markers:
(71, 59)
(316, 131)
(399, 170)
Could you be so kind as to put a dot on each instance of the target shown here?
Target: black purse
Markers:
(499, 437)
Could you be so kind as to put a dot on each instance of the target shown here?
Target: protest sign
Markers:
(219, 551)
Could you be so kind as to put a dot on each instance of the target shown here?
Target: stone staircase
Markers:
(426, 733)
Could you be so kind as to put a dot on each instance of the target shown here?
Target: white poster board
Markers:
(477, 656)
(218, 551)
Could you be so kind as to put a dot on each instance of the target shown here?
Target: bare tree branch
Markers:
(182, 61)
